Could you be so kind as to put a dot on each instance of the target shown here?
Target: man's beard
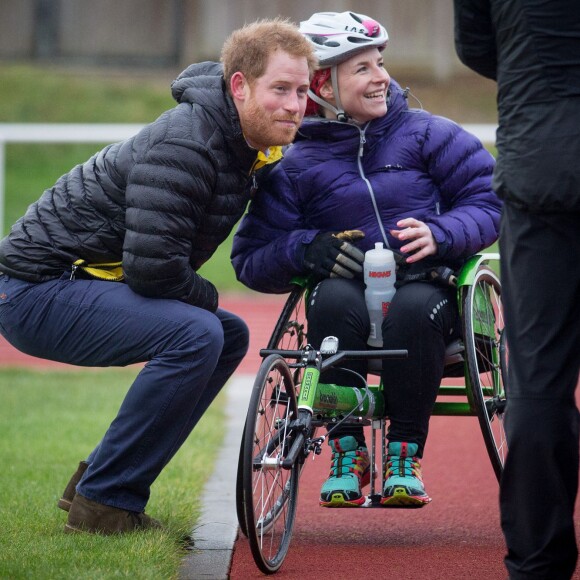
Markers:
(260, 129)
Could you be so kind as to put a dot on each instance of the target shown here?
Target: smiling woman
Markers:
(340, 38)
(363, 83)
(418, 183)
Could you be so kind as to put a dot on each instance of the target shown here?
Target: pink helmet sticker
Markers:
(372, 27)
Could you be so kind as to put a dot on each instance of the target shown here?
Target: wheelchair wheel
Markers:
(486, 358)
(290, 330)
(290, 334)
(269, 490)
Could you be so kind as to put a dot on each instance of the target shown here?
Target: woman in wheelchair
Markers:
(364, 161)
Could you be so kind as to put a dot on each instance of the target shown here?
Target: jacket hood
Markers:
(203, 84)
(198, 82)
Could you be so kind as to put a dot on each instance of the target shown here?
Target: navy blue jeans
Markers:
(189, 352)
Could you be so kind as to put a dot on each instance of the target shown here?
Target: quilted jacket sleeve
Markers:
(475, 37)
(167, 193)
(469, 210)
(267, 253)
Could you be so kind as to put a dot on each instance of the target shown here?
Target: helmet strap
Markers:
(338, 110)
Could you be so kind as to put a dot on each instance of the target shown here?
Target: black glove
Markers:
(333, 256)
(204, 294)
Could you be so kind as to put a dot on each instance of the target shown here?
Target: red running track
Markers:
(457, 536)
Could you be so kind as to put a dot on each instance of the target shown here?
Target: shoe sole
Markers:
(337, 500)
(402, 499)
(70, 530)
(64, 504)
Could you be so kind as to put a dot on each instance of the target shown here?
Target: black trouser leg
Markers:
(541, 294)
(337, 308)
(422, 318)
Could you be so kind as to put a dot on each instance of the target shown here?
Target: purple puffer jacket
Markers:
(413, 163)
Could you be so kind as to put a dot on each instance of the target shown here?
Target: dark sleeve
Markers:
(475, 36)
(167, 195)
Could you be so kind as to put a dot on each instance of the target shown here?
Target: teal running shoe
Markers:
(349, 473)
(403, 481)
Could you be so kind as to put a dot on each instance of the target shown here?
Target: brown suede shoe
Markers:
(96, 518)
(70, 489)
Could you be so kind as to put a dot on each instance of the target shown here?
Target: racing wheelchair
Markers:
(289, 402)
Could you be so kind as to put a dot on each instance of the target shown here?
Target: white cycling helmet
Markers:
(336, 36)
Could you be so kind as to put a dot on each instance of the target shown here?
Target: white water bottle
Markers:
(380, 277)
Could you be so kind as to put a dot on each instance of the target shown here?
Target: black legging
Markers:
(422, 318)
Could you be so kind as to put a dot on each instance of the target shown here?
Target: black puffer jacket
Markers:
(532, 49)
(161, 201)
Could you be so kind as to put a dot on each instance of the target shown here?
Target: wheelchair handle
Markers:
(342, 354)
(364, 355)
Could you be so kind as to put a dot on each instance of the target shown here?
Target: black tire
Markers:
(240, 490)
(270, 492)
(486, 357)
(290, 332)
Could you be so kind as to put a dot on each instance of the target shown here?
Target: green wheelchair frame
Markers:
(268, 471)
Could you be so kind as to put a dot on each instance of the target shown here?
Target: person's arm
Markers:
(469, 209)
(167, 195)
(269, 246)
(475, 36)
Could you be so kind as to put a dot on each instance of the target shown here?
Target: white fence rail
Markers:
(108, 133)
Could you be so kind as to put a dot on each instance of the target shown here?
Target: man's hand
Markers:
(421, 241)
(333, 256)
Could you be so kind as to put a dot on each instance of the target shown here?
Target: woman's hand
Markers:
(421, 242)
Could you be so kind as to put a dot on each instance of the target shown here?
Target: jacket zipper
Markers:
(363, 140)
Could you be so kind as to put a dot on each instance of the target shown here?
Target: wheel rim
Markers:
(290, 330)
(270, 510)
(487, 361)
(290, 334)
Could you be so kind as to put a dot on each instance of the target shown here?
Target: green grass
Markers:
(44, 95)
(48, 422)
